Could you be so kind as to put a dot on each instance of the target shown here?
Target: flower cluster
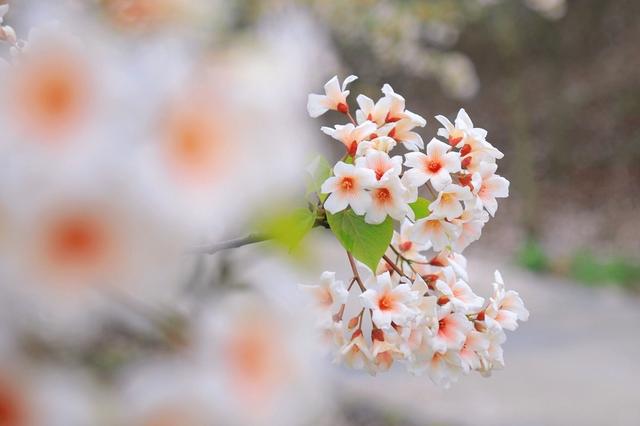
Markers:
(417, 306)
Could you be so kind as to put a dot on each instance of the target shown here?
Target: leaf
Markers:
(420, 207)
(366, 242)
(288, 229)
(319, 171)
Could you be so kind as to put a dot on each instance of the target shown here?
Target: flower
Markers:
(505, 307)
(402, 132)
(436, 231)
(455, 133)
(471, 222)
(458, 292)
(350, 135)
(389, 301)
(473, 350)
(348, 187)
(388, 197)
(382, 143)
(335, 98)
(404, 244)
(380, 162)
(436, 166)
(329, 295)
(452, 329)
(388, 109)
(356, 353)
(448, 204)
(491, 187)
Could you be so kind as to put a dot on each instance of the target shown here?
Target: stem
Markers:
(356, 275)
(225, 245)
(394, 266)
(351, 118)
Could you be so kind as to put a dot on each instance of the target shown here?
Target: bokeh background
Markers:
(556, 84)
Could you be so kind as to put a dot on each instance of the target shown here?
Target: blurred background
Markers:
(555, 83)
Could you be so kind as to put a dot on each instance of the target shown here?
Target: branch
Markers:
(225, 245)
(356, 275)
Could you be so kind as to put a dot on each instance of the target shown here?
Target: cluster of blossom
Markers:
(421, 308)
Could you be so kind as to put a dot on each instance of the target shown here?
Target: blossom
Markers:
(402, 131)
(455, 133)
(388, 197)
(356, 353)
(435, 230)
(381, 143)
(452, 329)
(328, 295)
(335, 97)
(471, 223)
(389, 301)
(436, 166)
(458, 292)
(491, 187)
(388, 109)
(405, 245)
(505, 308)
(350, 135)
(448, 203)
(474, 350)
(380, 162)
(348, 188)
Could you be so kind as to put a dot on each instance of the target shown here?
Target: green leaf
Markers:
(420, 207)
(319, 170)
(288, 229)
(366, 242)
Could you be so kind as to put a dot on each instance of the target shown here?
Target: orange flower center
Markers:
(434, 166)
(383, 195)
(347, 183)
(386, 302)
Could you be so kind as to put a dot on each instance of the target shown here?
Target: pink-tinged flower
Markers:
(383, 165)
(448, 204)
(389, 301)
(385, 348)
(328, 296)
(473, 351)
(436, 231)
(348, 188)
(452, 259)
(444, 368)
(350, 135)
(471, 221)
(452, 329)
(406, 246)
(458, 293)
(494, 356)
(388, 197)
(388, 109)
(335, 98)
(402, 131)
(381, 143)
(491, 187)
(505, 308)
(435, 167)
(456, 133)
(356, 353)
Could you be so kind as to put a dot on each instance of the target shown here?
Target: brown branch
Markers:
(356, 275)
(225, 245)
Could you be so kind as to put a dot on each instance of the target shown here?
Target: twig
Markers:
(394, 266)
(356, 275)
(225, 245)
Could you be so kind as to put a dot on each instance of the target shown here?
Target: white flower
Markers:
(380, 162)
(448, 204)
(329, 295)
(473, 350)
(335, 98)
(494, 357)
(348, 187)
(453, 328)
(389, 301)
(458, 292)
(436, 231)
(406, 246)
(381, 143)
(444, 368)
(388, 109)
(356, 353)
(388, 197)
(505, 308)
(402, 132)
(491, 187)
(350, 135)
(471, 222)
(455, 133)
(436, 166)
